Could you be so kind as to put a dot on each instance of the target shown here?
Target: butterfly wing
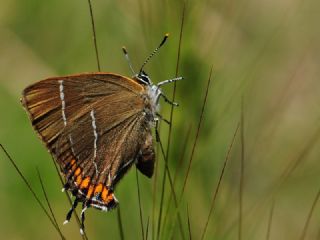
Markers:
(94, 125)
(56, 102)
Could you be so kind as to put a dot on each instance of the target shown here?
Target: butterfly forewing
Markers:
(93, 124)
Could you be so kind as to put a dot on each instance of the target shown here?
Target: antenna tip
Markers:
(164, 39)
(124, 50)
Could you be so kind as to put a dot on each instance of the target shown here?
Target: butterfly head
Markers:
(144, 78)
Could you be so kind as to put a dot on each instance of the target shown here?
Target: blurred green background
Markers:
(265, 51)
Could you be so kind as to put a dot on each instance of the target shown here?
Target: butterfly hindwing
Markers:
(102, 145)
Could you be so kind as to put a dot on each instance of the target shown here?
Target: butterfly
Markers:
(96, 126)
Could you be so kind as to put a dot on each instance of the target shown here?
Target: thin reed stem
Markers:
(170, 126)
(121, 233)
(140, 208)
(307, 223)
(270, 221)
(215, 194)
(48, 203)
(178, 168)
(275, 187)
(84, 235)
(197, 134)
(94, 35)
(147, 229)
(161, 203)
(189, 225)
(29, 186)
(195, 141)
(173, 193)
(241, 174)
(155, 189)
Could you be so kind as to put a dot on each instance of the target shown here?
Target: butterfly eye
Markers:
(143, 77)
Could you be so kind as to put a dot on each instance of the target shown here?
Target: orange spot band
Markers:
(98, 188)
(77, 172)
(90, 191)
(104, 194)
(85, 182)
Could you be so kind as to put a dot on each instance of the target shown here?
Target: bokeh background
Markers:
(264, 53)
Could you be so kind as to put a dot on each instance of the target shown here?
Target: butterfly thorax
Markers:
(154, 93)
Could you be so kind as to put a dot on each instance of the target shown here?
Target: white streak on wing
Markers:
(63, 103)
(71, 142)
(124, 166)
(94, 126)
(63, 107)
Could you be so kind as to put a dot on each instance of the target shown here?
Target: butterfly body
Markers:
(96, 126)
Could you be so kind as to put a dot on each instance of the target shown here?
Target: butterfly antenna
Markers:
(169, 81)
(128, 59)
(155, 51)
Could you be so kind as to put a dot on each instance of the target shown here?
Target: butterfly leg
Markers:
(169, 101)
(84, 208)
(156, 131)
(66, 186)
(69, 214)
(163, 119)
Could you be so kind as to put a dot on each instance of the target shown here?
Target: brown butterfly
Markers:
(96, 126)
